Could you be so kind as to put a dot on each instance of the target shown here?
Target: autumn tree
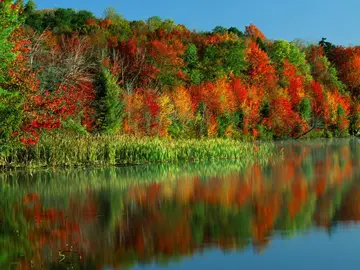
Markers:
(320, 109)
(321, 68)
(253, 32)
(64, 90)
(347, 62)
(130, 59)
(169, 80)
(66, 60)
(260, 70)
(167, 56)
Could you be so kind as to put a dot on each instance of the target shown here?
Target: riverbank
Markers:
(61, 151)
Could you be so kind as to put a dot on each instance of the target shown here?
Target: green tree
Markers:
(120, 27)
(327, 46)
(168, 25)
(222, 59)
(262, 44)
(33, 18)
(60, 21)
(9, 21)
(110, 107)
(235, 57)
(283, 49)
(10, 101)
(191, 59)
(191, 55)
(305, 108)
(81, 18)
(235, 31)
(29, 8)
(154, 23)
(220, 30)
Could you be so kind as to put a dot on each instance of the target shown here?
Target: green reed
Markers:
(62, 151)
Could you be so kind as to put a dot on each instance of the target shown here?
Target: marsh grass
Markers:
(61, 151)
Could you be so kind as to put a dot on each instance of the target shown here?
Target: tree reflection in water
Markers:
(122, 216)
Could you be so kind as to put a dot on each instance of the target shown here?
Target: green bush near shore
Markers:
(58, 151)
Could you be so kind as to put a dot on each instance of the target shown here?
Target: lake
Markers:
(299, 210)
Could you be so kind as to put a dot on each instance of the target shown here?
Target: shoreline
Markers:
(61, 152)
(120, 151)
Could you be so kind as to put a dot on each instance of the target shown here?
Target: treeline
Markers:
(69, 72)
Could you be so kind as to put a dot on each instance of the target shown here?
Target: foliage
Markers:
(60, 20)
(223, 58)
(73, 128)
(119, 27)
(254, 33)
(66, 71)
(305, 109)
(11, 100)
(282, 50)
(346, 61)
(322, 70)
(110, 106)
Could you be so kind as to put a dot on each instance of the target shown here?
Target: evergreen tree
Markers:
(305, 109)
(30, 8)
(110, 107)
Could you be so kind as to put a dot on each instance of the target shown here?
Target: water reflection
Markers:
(89, 219)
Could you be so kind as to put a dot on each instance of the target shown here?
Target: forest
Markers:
(69, 74)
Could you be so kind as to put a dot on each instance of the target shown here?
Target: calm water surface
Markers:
(301, 211)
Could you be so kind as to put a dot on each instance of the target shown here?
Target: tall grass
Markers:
(58, 151)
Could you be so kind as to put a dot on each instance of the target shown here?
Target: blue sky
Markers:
(310, 20)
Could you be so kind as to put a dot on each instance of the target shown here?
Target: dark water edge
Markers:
(297, 210)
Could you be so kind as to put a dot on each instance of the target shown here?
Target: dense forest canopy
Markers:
(67, 71)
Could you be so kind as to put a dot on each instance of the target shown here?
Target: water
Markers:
(301, 211)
